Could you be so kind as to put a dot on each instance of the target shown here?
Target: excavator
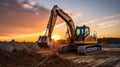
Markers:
(79, 38)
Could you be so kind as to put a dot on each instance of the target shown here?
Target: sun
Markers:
(55, 37)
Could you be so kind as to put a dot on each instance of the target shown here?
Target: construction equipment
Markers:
(79, 38)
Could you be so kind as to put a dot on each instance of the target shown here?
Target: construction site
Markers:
(30, 55)
(28, 37)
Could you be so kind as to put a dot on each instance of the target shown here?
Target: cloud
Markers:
(72, 13)
(106, 24)
(89, 22)
(26, 5)
(110, 17)
(16, 19)
(97, 20)
(108, 29)
(23, 18)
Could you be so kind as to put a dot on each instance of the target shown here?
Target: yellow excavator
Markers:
(79, 38)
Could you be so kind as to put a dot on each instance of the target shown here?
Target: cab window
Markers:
(86, 31)
(78, 32)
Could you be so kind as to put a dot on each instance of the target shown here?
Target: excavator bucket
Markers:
(43, 41)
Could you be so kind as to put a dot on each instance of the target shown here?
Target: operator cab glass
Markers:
(82, 32)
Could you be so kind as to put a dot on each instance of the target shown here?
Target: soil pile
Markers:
(13, 45)
(32, 59)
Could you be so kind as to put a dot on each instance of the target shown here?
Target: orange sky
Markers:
(26, 20)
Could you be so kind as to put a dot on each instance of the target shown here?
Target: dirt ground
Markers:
(108, 57)
(32, 59)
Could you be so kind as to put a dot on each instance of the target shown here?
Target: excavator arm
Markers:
(45, 41)
(56, 11)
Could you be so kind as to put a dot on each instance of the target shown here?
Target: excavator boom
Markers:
(56, 11)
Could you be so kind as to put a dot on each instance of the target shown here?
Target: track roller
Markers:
(88, 49)
(65, 48)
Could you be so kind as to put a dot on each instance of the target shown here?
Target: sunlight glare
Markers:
(55, 37)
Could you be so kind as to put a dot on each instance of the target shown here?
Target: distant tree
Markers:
(12, 40)
(109, 40)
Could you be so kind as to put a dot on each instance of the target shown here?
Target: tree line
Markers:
(109, 40)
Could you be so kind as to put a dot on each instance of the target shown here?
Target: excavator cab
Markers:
(81, 32)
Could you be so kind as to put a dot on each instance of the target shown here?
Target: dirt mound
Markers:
(32, 59)
(13, 45)
(103, 44)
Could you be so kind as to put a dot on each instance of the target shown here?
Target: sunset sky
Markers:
(26, 20)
